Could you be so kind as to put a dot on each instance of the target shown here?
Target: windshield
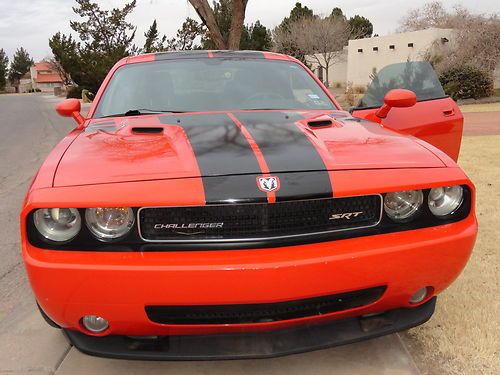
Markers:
(211, 85)
(417, 76)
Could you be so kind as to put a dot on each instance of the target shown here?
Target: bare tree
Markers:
(475, 40)
(322, 40)
(432, 14)
(207, 16)
(57, 67)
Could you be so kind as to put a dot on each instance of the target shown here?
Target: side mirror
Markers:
(71, 108)
(397, 98)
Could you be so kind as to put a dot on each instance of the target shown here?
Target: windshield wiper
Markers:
(141, 111)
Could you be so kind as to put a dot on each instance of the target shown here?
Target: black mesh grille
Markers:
(262, 313)
(258, 221)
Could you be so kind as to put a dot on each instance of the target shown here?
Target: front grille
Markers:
(263, 313)
(247, 222)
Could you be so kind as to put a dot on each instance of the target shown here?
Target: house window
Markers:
(375, 49)
(410, 45)
(392, 46)
(360, 50)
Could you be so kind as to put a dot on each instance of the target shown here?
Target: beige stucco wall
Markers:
(355, 67)
(362, 64)
(496, 77)
(337, 73)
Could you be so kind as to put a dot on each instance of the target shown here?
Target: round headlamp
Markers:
(108, 224)
(403, 206)
(444, 201)
(58, 224)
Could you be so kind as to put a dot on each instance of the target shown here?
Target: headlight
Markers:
(403, 206)
(107, 224)
(58, 224)
(444, 201)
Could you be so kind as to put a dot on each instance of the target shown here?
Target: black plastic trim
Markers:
(47, 319)
(250, 345)
(263, 312)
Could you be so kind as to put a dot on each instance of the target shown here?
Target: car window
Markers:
(418, 76)
(212, 85)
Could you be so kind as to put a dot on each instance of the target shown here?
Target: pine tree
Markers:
(4, 64)
(21, 64)
(105, 37)
(260, 37)
(153, 41)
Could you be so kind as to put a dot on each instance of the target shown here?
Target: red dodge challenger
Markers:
(220, 204)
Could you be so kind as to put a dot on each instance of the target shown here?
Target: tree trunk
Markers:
(207, 16)
(239, 7)
(327, 68)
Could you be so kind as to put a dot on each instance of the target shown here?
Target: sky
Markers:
(30, 23)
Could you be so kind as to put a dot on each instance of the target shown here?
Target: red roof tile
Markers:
(47, 78)
(42, 65)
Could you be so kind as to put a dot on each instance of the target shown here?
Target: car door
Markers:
(435, 118)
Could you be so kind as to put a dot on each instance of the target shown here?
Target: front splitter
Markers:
(250, 345)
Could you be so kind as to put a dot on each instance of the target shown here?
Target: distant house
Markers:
(44, 77)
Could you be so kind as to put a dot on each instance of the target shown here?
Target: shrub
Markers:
(74, 92)
(465, 82)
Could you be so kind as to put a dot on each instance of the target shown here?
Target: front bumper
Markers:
(118, 286)
(254, 345)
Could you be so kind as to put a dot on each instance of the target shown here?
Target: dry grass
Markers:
(463, 337)
(489, 107)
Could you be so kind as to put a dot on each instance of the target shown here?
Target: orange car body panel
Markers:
(444, 115)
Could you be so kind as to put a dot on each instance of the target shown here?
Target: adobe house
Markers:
(362, 57)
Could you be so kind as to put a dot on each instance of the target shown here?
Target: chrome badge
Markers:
(268, 184)
(346, 215)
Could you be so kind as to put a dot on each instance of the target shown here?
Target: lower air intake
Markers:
(263, 313)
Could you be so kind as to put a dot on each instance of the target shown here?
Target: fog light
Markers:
(419, 296)
(94, 323)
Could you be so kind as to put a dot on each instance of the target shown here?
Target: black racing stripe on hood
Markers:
(239, 54)
(233, 189)
(228, 165)
(179, 55)
(287, 149)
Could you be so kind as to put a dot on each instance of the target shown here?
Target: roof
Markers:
(48, 78)
(205, 54)
(42, 65)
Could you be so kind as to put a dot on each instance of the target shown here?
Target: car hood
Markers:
(175, 146)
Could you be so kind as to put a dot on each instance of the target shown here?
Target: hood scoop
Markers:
(320, 123)
(148, 130)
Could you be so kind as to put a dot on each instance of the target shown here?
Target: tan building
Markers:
(363, 56)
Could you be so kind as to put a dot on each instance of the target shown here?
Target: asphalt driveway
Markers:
(29, 128)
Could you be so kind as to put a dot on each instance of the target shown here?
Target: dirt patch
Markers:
(463, 336)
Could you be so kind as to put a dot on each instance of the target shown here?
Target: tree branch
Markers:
(206, 14)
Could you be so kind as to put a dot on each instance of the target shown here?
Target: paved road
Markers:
(29, 129)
